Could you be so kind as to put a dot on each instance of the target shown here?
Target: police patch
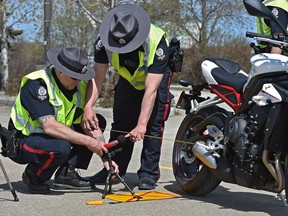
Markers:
(99, 45)
(275, 12)
(42, 93)
(160, 53)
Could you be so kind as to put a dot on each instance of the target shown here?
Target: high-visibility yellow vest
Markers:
(64, 109)
(262, 28)
(137, 80)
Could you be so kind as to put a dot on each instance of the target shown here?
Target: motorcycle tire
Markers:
(193, 177)
(286, 177)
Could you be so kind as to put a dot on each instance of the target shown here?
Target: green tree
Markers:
(25, 57)
(11, 14)
(204, 27)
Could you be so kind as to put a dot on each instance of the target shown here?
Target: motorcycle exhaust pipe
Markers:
(204, 155)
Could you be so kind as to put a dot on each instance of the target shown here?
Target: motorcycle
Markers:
(244, 144)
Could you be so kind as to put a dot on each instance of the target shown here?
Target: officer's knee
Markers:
(64, 149)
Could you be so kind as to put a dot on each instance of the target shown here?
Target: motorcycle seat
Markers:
(228, 73)
(236, 81)
(228, 66)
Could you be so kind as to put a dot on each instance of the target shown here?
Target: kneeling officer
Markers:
(47, 114)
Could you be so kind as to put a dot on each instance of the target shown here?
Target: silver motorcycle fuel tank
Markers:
(266, 63)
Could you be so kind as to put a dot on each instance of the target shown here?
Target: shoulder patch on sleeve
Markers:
(42, 93)
(160, 54)
(98, 45)
(275, 12)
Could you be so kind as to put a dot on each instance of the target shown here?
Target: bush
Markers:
(107, 96)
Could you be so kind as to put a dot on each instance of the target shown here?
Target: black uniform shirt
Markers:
(35, 99)
(281, 15)
(131, 60)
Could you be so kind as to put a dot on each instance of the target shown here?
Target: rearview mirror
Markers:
(258, 9)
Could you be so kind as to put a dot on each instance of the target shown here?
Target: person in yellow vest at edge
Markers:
(268, 27)
(47, 113)
(139, 52)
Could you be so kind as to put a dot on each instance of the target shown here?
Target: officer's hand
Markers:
(90, 120)
(107, 167)
(97, 147)
(137, 134)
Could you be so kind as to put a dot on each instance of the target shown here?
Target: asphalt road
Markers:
(227, 199)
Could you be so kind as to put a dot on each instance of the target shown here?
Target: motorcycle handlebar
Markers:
(253, 35)
(281, 41)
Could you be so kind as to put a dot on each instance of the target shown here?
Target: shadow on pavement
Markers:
(240, 201)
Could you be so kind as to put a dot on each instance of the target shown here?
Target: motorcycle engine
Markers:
(236, 135)
(244, 133)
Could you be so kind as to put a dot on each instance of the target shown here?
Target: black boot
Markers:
(68, 178)
(147, 183)
(34, 184)
(100, 177)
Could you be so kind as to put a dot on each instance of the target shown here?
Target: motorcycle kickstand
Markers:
(283, 198)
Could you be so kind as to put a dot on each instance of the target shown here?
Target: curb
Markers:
(104, 111)
(7, 102)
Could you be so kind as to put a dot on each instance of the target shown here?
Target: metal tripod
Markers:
(112, 172)
(8, 182)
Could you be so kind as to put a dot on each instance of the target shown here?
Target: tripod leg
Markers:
(125, 184)
(108, 182)
(9, 183)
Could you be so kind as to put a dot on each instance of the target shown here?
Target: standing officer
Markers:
(268, 27)
(139, 52)
(47, 113)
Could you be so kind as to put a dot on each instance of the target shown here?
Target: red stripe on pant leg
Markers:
(165, 115)
(48, 162)
(166, 110)
(37, 151)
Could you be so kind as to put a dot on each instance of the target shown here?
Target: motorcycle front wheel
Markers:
(190, 173)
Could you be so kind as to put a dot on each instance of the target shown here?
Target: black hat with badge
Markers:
(124, 28)
(72, 61)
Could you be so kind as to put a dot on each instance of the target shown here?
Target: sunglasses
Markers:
(74, 79)
(69, 77)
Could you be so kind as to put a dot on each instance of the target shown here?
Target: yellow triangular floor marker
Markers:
(148, 195)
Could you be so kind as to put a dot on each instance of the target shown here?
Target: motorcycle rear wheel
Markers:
(193, 177)
(286, 178)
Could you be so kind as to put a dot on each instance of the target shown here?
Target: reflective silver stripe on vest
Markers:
(48, 73)
(109, 55)
(55, 101)
(19, 119)
(34, 130)
(79, 97)
(146, 46)
(31, 129)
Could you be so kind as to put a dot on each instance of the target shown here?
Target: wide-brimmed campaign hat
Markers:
(124, 28)
(71, 61)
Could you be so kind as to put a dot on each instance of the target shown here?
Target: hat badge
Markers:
(84, 70)
(122, 41)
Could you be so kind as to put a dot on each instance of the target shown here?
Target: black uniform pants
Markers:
(126, 111)
(44, 154)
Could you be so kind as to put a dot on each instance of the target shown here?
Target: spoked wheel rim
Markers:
(186, 165)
